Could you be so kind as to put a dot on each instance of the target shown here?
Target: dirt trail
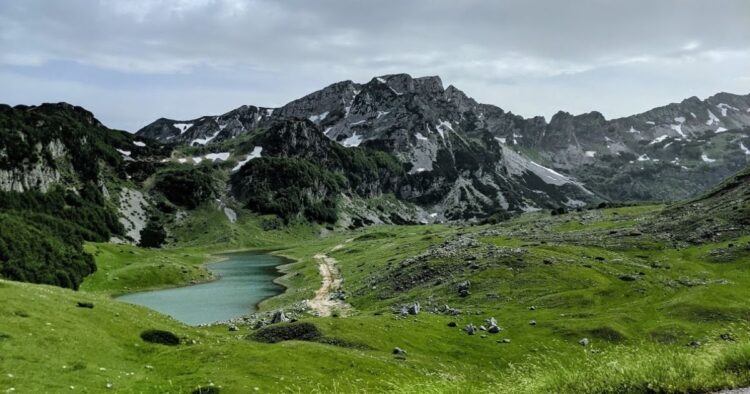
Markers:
(322, 303)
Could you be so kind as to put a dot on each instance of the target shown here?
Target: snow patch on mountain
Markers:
(253, 155)
(518, 165)
(724, 107)
(678, 129)
(442, 127)
(659, 139)
(707, 159)
(222, 156)
(318, 118)
(139, 143)
(204, 141)
(744, 148)
(183, 127)
(712, 119)
(354, 140)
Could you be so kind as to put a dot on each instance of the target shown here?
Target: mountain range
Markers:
(464, 159)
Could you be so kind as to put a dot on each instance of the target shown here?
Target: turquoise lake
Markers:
(245, 279)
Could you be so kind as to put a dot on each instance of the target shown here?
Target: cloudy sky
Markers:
(133, 61)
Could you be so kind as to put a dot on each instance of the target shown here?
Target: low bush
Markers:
(186, 186)
(161, 337)
(153, 235)
(300, 331)
(206, 390)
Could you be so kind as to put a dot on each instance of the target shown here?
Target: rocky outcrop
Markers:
(467, 159)
(207, 129)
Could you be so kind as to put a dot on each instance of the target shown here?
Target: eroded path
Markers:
(323, 303)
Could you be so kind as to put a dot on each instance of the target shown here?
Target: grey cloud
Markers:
(488, 48)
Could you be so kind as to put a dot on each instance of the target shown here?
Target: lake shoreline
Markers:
(238, 288)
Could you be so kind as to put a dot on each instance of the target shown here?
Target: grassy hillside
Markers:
(657, 317)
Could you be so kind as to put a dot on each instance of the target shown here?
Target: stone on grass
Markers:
(83, 304)
(463, 288)
(470, 329)
(584, 342)
(279, 317)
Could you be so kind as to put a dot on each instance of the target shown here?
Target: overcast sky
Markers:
(133, 61)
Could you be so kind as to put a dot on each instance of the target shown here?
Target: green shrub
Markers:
(186, 186)
(206, 390)
(736, 361)
(300, 331)
(31, 252)
(289, 188)
(161, 337)
(153, 235)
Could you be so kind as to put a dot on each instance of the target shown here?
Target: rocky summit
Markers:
(468, 160)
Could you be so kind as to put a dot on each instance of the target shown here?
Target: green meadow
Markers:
(659, 316)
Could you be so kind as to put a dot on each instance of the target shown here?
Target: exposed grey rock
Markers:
(279, 317)
(463, 289)
(466, 160)
(584, 342)
(414, 308)
(470, 329)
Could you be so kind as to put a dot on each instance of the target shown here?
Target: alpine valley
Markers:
(426, 243)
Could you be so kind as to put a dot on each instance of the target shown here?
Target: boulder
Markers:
(463, 289)
(584, 342)
(279, 317)
(493, 329)
(470, 329)
(414, 309)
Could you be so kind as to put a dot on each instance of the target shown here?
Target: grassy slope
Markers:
(639, 330)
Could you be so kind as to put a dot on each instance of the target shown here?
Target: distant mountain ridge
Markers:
(666, 153)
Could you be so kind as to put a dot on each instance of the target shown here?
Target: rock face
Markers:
(207, 129)
(455, 168)
(465, 159)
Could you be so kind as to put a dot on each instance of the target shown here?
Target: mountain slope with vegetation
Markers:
(672, 319)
